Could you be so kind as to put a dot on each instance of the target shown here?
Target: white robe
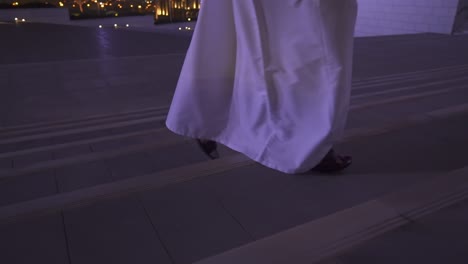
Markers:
(268, 78)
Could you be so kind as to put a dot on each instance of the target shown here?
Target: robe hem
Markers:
(235, 147)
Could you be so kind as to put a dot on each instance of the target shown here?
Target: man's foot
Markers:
(208, 147)
(333, 162)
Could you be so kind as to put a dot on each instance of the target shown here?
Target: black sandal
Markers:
(208, 147)
(333, 162)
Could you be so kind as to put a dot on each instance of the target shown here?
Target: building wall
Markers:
(389, 17)
(42, 15)
(375, 17)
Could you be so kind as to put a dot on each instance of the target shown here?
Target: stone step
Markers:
(39, 159)
(190, 221)
(117, 163)
(420, 77)
(93, 144)
(101, 166)
(82, 129)
(409, 76)
(164, 139)
(410, 85)
(50, 134)
(325, 237)
(134, 175)
(207, 208)
(408, 93)
(73, 123)
(439, 237)
(81, 137)
(395, 116)
(40, 177)
(81, 134)
(122, 187)
(198, 218)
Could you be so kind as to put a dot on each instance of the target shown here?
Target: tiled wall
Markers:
(389, 17)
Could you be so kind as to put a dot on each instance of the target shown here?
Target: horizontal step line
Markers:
(64, 123)
(122, 187)
(428, 77)
(45, 124)
(449, 111)
(79, 125)
(448, 68)
(82, 130)
(142, 120)
(408, 88)
(328, 236)
(68, 62)
(167, 139)
(422, 79)
(159, 179)
(86, 119)
(438, 204)
(440, 113)
(405, 98)
(362, 236)
(79, 143)
(410, 75)
(411, 120)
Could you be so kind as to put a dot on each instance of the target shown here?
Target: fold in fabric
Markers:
(269, 79)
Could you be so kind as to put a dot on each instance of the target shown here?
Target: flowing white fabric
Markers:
(268, 78)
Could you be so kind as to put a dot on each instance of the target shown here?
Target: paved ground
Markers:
(89, 174)
(438, 238)
(96, 73)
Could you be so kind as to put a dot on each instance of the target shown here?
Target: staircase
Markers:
(123, 189)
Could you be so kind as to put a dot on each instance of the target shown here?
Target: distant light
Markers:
(88, 5)
(189, 28)
(180, 28)
(116, 14)
(61, 4)
(131, 5)
(139, 6)
(127, 25)
(100, 26)
(23, 20)
(16, 19)
(189, 19)
(115, 25)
